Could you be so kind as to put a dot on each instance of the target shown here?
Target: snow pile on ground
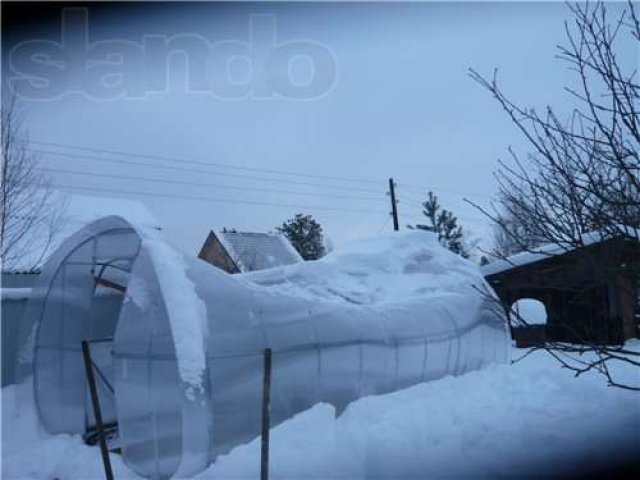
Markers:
(531, 418)
(392, 268)
(28, 452)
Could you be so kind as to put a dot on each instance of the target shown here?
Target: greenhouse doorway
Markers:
(79, 297)
(111, 280)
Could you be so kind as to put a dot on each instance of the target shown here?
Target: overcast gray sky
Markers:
(401, 105)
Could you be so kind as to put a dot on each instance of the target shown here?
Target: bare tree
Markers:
(513, 231)
(582, 175)
(30, 214)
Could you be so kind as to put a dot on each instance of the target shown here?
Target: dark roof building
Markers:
(239, 252)
(590, 293)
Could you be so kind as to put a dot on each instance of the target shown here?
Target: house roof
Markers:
(76, 212)
(258, 251)
(548, 250)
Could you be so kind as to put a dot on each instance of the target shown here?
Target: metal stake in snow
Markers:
(266, 413)
(88, 365)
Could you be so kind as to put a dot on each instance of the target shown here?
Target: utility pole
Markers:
(394, 206)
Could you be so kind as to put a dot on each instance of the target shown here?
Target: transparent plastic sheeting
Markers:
(188, 339)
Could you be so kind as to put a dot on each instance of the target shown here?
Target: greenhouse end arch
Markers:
(179, 343)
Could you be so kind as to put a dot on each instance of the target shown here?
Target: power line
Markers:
(208, 185)
(464, 219)
(209, 164)
(419, 205)
(234, 167)
(201, 171)
(412, 198)
(215, 200)
(427, 189)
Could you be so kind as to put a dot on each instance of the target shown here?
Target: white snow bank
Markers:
(528, 419)
(392, 268)
(29, 452)
(531, 418)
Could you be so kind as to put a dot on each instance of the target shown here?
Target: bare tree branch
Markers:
(582, 175)
(30, 214)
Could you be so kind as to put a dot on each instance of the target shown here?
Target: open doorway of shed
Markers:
(528, 311)
(528, 319)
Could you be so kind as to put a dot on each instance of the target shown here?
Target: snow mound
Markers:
(531, 419)
(396, 267)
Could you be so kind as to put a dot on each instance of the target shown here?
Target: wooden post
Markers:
(266, 414)
(95, 401)
(394, 205)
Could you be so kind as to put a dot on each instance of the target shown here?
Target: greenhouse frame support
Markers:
(95, 401)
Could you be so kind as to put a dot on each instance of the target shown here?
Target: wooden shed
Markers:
(239, 252)
(590, 293)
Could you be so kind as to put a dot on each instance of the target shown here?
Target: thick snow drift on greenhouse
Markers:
(179, 342)
(394, 268)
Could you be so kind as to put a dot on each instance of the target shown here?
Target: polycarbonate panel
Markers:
(148, 388)
(174, 420)
(67, 307)
(72, 312)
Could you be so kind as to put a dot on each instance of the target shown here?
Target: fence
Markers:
(14, 301)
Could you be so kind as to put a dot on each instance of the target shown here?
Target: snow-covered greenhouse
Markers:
(179, 343)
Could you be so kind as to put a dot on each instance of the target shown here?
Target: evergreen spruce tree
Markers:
(443, 223)
(305, 234)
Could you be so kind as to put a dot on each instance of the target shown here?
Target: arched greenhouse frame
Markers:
(178, 343)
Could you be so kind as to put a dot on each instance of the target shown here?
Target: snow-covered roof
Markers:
(76, 212)
(258, 251)
(553, 249)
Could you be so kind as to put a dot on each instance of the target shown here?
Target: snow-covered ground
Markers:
(531, 418)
